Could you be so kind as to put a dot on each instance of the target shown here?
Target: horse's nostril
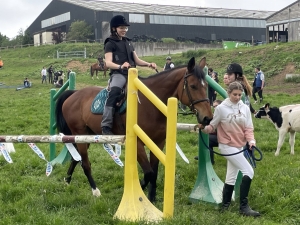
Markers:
(206, 121)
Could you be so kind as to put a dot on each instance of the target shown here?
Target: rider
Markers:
(101, 62)
(119, 57)
(169, 64)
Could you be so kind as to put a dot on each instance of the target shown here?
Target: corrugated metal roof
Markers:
(169, 9)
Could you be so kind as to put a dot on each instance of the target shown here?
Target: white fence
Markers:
(72, 54)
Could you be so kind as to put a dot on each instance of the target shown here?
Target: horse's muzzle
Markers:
(205, 121)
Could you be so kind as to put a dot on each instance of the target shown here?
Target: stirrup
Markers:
(106, 131)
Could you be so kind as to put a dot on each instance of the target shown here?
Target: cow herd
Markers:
(286, 120)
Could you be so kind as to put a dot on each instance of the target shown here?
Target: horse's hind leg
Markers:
(70, 171)
(86, 166)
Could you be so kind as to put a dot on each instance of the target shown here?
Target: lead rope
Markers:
(249, 154)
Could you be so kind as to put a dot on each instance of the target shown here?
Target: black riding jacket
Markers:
(122, 51)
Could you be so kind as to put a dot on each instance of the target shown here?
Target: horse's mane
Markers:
(198, 72)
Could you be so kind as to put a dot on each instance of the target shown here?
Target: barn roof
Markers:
(99, 5)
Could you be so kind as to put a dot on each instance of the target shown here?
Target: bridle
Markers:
(192, 102)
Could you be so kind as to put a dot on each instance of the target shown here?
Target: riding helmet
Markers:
(234, 68)
(117, 21)
(168, 58)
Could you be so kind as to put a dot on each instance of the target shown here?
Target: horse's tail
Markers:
(61, 123)
(91, 71)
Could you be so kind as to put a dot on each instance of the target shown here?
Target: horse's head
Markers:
(194, 91)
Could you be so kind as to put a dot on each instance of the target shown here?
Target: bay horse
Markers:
(186, 83)
(95, 68)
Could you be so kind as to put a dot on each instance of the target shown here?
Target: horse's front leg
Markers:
(154, 165)
(144, 163)
(86, 166)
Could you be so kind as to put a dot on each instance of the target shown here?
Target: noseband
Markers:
(186, 87)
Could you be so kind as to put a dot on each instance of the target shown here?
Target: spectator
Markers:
(259, 83)
(68, 74)
(235, 73)
(214, 76)
(225, 80)
(27, 84)
(169, 64)
(50, 72)
(211, 91)
(44, 75)
(101, 62)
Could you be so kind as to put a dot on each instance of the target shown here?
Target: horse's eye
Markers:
(193, 87)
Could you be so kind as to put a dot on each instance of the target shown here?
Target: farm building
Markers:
(284, 25)
(198, 24)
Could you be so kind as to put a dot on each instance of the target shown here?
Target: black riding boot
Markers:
(107, 120)
(109, 110)
(227, 195)
(244, 190)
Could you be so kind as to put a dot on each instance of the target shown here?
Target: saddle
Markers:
(98, 103)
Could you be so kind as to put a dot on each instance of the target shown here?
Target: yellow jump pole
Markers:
(134, 205)
(171, 135)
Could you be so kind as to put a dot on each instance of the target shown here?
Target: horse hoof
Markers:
(276, 154)
(93, 78)
(98, 78)
(96, 192)
(66, 181)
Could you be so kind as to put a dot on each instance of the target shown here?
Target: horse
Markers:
(186, 83)
(96, 67)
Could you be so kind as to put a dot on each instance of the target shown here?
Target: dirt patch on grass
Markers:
(277, 83)
(79, 66)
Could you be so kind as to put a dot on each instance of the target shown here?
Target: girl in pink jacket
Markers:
(233, 122)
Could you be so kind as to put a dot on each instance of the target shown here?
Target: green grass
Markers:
(27, 196)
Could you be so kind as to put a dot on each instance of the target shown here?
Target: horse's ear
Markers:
(191, 64)
(202, 62)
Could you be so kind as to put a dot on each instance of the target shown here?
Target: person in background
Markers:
(235, 73)
(210, 90)
(27, 84)
(213, 140)
(101, 62)
(120, 55)
(68, 74)
(233, 122)
(225, 80)
(169, 64)
(259, 82)
(44, 75)
(50, 73)
(214, 76)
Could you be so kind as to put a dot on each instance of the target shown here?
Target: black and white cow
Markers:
(286, 119)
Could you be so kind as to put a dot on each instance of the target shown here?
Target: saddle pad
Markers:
(98, 103)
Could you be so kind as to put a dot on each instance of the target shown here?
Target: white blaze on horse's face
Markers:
(203, 83)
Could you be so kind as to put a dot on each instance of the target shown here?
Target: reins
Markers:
(248, 154)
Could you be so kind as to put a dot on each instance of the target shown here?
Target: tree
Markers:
(80, 30)
(3, 40)
(28, 38)
(58, 36)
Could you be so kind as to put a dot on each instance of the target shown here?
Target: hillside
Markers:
(275, 61)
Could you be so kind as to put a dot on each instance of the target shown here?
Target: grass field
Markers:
(27, 196)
